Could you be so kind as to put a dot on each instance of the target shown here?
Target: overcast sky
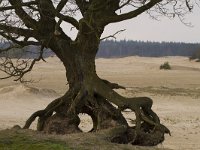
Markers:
(144, 28)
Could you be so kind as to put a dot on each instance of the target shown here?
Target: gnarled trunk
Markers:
(91, 95)
(39, 23)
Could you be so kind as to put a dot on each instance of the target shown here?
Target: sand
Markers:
(176, 93)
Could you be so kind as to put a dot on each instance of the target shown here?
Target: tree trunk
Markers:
(91, 95)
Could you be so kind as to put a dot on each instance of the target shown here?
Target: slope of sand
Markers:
(176, 93)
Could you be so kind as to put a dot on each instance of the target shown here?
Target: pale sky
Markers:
(144, 28)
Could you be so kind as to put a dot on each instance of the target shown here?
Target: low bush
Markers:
(165, 66)
(196, 56)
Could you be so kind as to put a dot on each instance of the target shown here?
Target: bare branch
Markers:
(65, 18)
(19, 5)
(125, 4)
(188, 5)
(28, 21)
(113, 36)
(21, 43)
(83, 6)
(61, 5)
(69, 19)
(20, 69)
(18, 31)
(132, 14)
(49, 12)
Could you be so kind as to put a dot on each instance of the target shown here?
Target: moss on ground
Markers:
(20, 141)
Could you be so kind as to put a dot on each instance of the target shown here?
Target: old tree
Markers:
(38, 22)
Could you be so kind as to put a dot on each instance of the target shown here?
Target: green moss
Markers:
(32, 140)
(23, 142)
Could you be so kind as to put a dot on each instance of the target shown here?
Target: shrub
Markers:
(165, 66)
(196, 56)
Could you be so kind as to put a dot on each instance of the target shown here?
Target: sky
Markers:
(146, 29)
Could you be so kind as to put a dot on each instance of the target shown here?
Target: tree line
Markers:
(123, 48)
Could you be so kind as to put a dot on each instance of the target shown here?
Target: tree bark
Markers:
(91, 95)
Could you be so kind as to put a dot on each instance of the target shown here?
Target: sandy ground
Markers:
(176, 93)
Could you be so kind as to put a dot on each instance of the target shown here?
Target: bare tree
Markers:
(38, 22)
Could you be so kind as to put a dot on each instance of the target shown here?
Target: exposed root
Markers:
(113, 85)
(95, 100)
(32, 118)
(80, 96)
(142, 108)
(108, 116)
(61, 124)
(42, 114)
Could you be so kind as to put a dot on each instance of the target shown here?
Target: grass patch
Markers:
(20, 141)
(31, 140)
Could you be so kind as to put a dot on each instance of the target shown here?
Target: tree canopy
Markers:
(25, 20)
(36, 22)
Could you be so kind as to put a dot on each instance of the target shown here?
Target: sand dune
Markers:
(185, 68)
(22, 91)
(18, 102)
(176, 93)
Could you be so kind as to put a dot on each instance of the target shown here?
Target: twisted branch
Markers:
(19, 70)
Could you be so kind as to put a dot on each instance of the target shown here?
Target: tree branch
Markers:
(20, 69)
(18, 31)
(48, 13)
(21, 43)
(83, 5)
(28, 21)
(19, 5)
(124, 4)
(69, 19)
(113, 36)
(188, 5)
(65, 18)
(132, 14)
(61, 5)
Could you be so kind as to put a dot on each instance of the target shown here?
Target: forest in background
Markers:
(123, 48)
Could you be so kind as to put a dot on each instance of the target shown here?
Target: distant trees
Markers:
(27, 52)
(196, 55)
(125, 48)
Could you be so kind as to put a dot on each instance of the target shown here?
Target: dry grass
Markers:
(28, 139)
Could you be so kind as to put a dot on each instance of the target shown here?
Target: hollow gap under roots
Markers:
(130, 117)
(86, 123)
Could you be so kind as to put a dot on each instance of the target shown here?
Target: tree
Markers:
(38, 22)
